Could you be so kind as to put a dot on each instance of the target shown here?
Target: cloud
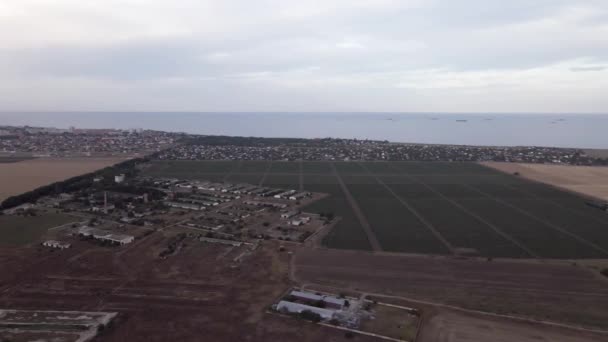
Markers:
(588, 68)
(398, 55)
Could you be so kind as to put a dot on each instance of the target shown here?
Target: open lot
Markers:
(542, 290)
(586, 180)
(427, 207)
(26, 175)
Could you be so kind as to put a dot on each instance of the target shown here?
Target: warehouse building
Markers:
(297, 308)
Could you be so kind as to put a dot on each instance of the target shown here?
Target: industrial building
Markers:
(312, 298)
(181, 205)
(297, 308)
(106, 236)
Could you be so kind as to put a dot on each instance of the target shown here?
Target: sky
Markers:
(544, 56)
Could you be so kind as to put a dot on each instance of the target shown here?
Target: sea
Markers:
(556, 130)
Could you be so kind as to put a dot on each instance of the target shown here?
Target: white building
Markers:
(120, 178)
(290, 307)
(105, 235)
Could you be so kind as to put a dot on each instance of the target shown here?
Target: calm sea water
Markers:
(574, 130)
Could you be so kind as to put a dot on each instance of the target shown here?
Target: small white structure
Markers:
(290, 307)
(56, 244)
(120, 178)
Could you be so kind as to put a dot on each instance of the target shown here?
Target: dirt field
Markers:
(23, 176)
(586, 180)
(199, 291)
(449, 326)
(541, 290)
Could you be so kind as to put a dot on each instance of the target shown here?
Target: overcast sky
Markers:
(306, 55)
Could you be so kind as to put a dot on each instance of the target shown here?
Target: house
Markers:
(56, 244)
(120, 178)
(296, 308)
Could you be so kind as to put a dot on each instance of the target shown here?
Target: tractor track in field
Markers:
(371, 236)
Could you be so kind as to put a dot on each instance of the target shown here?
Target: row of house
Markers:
(56, 244)
(266, 204)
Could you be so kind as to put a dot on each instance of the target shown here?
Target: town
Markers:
(53, 142)
(73, 142)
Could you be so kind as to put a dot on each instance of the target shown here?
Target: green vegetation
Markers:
(465, 202)
(20, 230)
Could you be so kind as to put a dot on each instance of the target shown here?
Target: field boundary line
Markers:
(265, 174)
(573, 211)
(419, 216)
(367, 228)
(236, 167)
(536, 218)
(473, 214)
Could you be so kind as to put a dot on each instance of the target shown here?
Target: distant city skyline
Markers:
(470, 56)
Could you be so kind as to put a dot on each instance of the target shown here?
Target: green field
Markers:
(427, 207)
(19, 231)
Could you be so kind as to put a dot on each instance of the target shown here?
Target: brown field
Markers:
(198, 293)
(540, 290)
(586, 180)
(449, 326)
(23, 176)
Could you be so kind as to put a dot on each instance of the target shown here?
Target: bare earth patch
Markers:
(587, 180)
(27, 175)
(449, 326)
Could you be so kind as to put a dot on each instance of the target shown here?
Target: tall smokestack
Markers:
(105, 202)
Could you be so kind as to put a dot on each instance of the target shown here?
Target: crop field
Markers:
(427, 207)
(18, 230)
(26, 175)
